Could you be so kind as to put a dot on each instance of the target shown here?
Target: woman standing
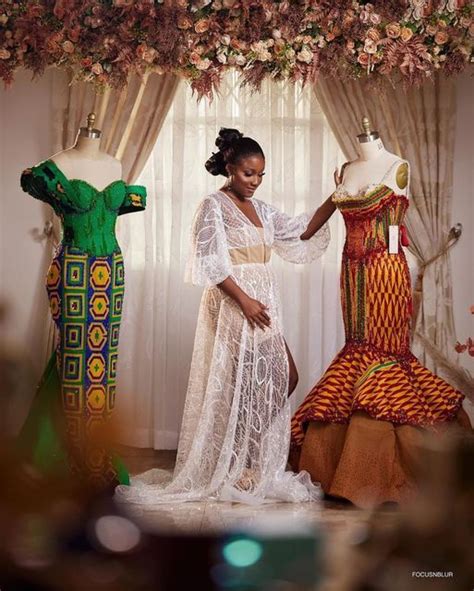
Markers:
(235, 433)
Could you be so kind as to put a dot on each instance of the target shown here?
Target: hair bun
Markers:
(216, 164)
(227, 136)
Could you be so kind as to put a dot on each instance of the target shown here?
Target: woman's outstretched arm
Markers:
(318, 220)
(326, 210)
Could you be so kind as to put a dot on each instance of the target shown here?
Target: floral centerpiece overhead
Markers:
(107, 41)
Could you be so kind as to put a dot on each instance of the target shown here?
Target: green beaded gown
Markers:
(85, 285)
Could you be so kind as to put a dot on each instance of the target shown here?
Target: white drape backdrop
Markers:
(160, 310)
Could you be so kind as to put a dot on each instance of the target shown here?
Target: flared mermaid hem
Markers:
(389, 387)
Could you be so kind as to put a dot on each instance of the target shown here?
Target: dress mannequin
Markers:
(374, 165)
(85, 284)
(375, 399)
(86, 161)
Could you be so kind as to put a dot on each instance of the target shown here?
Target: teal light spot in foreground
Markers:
(242, 553)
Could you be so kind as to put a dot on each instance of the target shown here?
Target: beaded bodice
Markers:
(88, 215)
(368, 217)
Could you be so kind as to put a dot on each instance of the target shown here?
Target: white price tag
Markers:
(393, 234)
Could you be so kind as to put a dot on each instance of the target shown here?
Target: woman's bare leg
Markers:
(293, 372)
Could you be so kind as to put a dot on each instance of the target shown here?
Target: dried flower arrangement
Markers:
(105, 41)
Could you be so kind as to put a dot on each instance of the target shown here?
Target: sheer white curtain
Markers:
(160, 310)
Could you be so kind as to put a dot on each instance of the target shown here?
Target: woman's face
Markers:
(247, 174)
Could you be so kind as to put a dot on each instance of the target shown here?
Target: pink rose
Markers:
(184, 22)
(97, 69)
(203, 64)
(375, 19)
(147, 54)
(235, 44)
(68, 47)
(73, 34)
(370, 46)
(393, 30)
(202, 25)
(406, 34)
(194, 57)
(305, 55)
(431, 30)
(350, 45)
(363, 59)
(347, 21)
(441, 37)
(373, 34)
(279, 44)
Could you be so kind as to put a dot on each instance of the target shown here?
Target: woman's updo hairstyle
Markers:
(232, 147)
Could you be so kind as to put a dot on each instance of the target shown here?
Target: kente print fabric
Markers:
(375, 372)
(235, 433)
(85, 285)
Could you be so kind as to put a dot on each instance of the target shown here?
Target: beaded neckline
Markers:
(368, 190)
(107, 187)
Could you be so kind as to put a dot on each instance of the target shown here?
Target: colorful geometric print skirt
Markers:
(86, 297)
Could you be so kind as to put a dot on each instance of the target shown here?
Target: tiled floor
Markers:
(338, 525)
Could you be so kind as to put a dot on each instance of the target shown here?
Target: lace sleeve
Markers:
(209, 261)
(287, 243)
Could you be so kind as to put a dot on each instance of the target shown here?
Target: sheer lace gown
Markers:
(235, 433)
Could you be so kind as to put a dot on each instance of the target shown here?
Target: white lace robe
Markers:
(235, 433)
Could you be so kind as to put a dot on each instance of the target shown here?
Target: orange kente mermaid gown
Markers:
(358, 429)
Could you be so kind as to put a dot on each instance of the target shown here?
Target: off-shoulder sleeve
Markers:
(135, 199)
(209, 260)
(287, 242)
(47, 183)
(42, 182)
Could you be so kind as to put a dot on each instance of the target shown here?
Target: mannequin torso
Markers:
(376, 165)
(87, 162)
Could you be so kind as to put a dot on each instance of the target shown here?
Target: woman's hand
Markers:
(255, 312)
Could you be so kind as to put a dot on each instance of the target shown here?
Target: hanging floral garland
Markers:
(106, 41)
